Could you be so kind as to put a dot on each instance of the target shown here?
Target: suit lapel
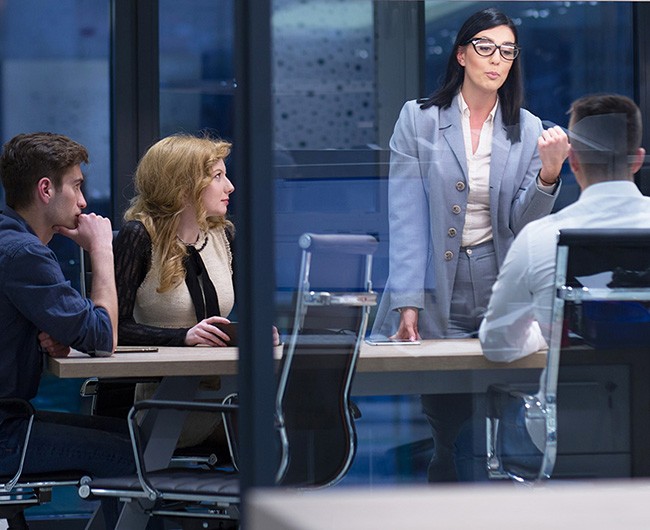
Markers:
(451, 129)
(498, 161)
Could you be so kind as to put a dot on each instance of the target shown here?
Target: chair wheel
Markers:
(84, 491)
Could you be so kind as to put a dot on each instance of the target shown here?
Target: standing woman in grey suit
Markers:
(469, 168)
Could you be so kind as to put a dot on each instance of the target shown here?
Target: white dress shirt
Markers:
(518, 319)
(478, 222)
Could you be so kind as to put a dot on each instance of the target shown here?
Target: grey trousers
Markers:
(447, 413)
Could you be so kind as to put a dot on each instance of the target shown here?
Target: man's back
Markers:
(21, 361)
(524, 291)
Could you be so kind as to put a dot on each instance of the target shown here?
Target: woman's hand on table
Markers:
(53, 347)
(207, 333)
(408, 325)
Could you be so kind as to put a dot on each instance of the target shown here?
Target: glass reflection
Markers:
(342, 71)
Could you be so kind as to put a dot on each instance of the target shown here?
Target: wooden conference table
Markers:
(440, 366)
(432, 366)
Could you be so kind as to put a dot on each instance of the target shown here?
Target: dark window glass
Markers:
(569, 49)
(55, 77)
(196, 67)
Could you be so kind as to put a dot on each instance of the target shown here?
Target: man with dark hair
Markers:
(41, 313)
(605, 134)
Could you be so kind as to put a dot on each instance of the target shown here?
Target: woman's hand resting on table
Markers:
(206, 332)
(408, 325)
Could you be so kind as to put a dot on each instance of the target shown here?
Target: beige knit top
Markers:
(174, 308)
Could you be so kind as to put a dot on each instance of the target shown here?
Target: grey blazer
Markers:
(427, 194)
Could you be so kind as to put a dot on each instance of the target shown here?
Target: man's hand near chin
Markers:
(92, 232)
(53, 347)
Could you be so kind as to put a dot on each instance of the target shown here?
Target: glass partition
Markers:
(342, 71)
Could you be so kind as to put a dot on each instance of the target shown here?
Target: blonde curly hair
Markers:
(172, 173)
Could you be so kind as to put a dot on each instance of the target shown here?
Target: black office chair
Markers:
(594, 268)
(22, 491)
(113, 397)
(314, 416)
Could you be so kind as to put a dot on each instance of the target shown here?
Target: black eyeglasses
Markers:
(485, 48)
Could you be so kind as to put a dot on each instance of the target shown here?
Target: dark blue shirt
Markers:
(34, 297)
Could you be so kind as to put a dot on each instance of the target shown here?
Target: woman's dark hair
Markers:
(511, 93)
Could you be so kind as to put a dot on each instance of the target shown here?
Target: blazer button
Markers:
(455, 209)
(449, 255)
(451, 232)
(460, 186)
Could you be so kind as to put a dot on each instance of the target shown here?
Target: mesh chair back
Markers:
(313, 408)
(592, 265)
(594, 269)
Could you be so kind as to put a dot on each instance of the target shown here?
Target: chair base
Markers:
(15, 517)
(511, 453)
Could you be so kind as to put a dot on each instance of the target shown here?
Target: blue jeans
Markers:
(59, 441)
(96, 445)
(519, 455)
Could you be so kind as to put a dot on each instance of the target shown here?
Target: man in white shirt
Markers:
(605, 132)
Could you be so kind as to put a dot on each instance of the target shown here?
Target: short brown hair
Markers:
(607, 128)
(27, 158)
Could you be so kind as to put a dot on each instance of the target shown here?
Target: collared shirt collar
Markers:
(464, 108)
(610, 187)
(13, 214)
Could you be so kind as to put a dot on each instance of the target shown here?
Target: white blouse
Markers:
(478, 222)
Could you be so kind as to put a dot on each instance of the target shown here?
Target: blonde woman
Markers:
(173, 256)
(173, 260)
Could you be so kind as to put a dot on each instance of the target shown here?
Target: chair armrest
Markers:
(91, 386)
(18, 408)
(499, 395)
(136, 441)
(232, 429)
(343, 243)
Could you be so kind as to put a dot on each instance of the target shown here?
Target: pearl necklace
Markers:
(198, 238)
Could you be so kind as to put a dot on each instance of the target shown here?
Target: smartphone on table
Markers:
(388, 342)
(229, 329)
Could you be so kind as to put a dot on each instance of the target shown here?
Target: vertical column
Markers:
(135, 88)
(255, 241)
(399, 52)
(641, 19)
